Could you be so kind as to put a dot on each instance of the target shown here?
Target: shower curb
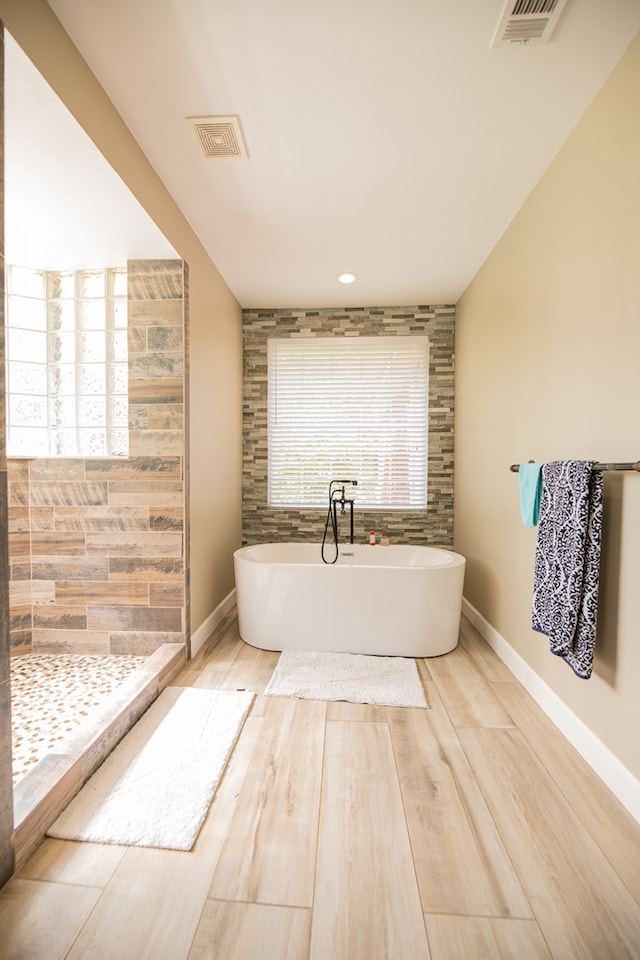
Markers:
(40, 797)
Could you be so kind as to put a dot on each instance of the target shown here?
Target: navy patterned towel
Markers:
(565, 590)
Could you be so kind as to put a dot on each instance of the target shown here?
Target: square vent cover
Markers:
(527, 22)
(219, 136)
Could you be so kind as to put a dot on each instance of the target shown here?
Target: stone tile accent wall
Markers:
(97, 546)
(434, 525)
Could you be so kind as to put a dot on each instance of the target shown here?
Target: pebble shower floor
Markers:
(53, 694)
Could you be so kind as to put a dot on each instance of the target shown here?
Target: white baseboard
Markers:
(619, 780)
(204, 631)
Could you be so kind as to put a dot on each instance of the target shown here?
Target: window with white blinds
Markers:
(348, 407)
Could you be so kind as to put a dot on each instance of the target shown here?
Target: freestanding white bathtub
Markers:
(398, 600)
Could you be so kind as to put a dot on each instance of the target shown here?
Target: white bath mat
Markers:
(388, 681)
(156, 787)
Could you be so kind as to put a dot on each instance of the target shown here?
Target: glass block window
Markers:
(67, 363)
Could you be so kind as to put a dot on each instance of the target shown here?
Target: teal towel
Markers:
(530, 476)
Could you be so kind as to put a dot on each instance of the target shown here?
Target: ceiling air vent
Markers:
(527, 22)
(219, 136)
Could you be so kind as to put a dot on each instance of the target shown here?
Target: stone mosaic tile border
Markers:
(434, 525)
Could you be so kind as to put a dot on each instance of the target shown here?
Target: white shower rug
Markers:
(156, 787)
(388, 681)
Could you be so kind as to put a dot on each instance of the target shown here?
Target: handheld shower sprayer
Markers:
(337, 496)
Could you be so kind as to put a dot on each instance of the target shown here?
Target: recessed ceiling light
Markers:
(346, 277)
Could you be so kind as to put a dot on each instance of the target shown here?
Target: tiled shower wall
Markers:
(434, 525)
(98, 547)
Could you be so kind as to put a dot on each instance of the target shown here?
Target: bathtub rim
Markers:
(453, 559)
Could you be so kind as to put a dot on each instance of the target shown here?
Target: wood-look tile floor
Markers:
(351, 832)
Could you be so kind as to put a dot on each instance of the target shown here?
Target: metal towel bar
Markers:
(597, 466)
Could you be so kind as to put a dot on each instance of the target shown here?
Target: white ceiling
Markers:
(385, 137)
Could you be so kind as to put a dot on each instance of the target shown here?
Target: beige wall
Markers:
(215, 389)
(547, 348)
(215, 316)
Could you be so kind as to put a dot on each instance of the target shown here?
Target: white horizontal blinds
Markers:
(348, 407)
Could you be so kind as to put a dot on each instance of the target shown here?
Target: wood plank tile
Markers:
(135, 468)
(152, 312)
(158, 493)
(17, 470)
(101, 518)
(472, 657)
(146, 569)
(221, 649)
(154, 366)
(163, 338)
(423, 667)
(479, 655)
(42, 592)
(252, 932)
(472, 703)
(57, 544)
(260, 706)
(251, 669)
(366, 902)
(71, 568)
(166, 594)
(581, 905)
(367, 712)
(151, 907)
(461, 862)
(456, 663)
(70, 641)
(60, 617)
(47, 493)
(135, 617)
(40, 919)
(90, 592)
(46, 469)
(43, 518)
(167, 416)
(168, 390)
(467, 696)
(187, 678)
(166, 443)
(611, 826)
(468, 938)
(19, 520)
(19, 494)
(269, 854)
(142, 643)
(65, 861)
(211, 678)
(20, 544)
(130, 545)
